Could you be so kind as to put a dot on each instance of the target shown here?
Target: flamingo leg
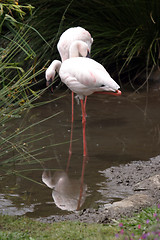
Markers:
(84, 128)
(85, 102)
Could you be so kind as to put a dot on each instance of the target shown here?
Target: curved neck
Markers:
(78, 49)
(52, 69)
(55, 65)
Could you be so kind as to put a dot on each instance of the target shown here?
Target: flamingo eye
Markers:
(102, 85)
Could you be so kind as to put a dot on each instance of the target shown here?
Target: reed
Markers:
(20, 71)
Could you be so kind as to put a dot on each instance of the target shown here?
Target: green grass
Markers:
(24, 228)
(29, 229)
(147, 221)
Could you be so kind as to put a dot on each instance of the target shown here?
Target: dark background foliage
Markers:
(126, 32)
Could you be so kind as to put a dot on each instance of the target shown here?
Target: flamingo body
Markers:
(71, 35)
(85, 76)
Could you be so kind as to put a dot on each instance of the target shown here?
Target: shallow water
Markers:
(118, 130)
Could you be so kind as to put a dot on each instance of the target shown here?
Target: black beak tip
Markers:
(48, 82)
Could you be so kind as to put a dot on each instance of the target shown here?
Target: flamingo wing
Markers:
(85, 76)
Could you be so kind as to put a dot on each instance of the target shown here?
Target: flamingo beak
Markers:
(48, 82)
(117, 93)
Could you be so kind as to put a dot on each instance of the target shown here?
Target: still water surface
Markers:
(119, 130)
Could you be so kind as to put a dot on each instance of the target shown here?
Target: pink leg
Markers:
(85, 102)
(84, 128)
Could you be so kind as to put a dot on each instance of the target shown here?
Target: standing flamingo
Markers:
(83, 76)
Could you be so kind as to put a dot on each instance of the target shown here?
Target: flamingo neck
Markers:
(51, 71)
(55, 65)
(78, 48)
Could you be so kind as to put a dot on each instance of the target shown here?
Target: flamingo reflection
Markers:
(68, 194)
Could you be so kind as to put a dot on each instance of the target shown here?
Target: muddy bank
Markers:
(141, 179)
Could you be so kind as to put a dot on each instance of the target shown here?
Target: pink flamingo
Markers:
(83, 76)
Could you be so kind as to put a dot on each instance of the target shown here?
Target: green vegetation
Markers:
(126, 33)
(19, 74)
(142, 226)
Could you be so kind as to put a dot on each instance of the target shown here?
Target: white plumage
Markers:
(71, 35)
(85, 76)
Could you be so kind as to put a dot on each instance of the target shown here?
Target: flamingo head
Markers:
(49, 76)
(51, 71)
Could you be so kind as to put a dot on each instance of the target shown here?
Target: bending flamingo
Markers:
(83, 76)
(71, 35)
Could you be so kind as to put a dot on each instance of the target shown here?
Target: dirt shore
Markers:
(141, 179)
